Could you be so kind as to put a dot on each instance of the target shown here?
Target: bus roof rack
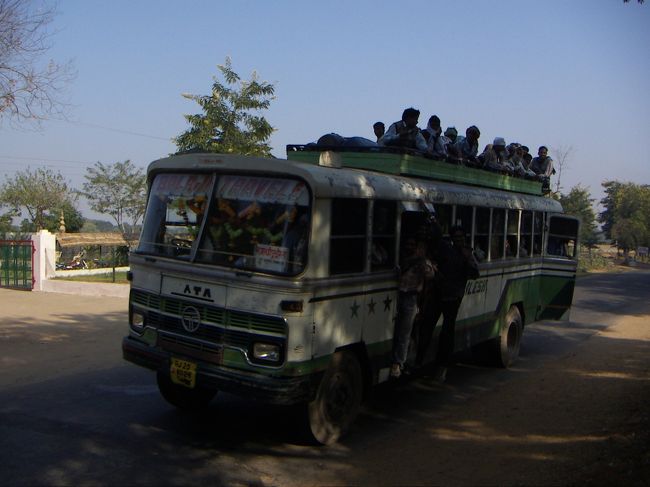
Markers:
(410, 162)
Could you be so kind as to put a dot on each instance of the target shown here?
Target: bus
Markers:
(277, 279)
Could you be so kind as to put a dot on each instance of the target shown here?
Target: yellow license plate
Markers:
(183, 372)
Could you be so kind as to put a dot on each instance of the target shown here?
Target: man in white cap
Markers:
(495, 156)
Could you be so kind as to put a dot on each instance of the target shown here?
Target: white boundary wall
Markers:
(44, 257)
(45, 270)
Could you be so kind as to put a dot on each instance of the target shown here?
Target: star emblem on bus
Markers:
(387, 302)
(371, 306)
(355, 309)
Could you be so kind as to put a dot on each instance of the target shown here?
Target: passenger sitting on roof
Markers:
(405, 133)
(467, 147)
(380, 129)
(436, 142)
(452, 134)
(494, 156)
(516, 161)
(542, 165)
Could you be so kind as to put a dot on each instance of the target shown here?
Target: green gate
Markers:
(17, 264)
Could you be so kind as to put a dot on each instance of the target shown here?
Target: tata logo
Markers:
(197, 291)
(191, 319)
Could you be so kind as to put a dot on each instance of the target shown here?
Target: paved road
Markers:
(73, 413)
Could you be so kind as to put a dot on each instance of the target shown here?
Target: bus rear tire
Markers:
(183, 398)
(509, 341)
(338, 399)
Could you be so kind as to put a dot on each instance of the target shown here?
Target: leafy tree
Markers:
(629, 233)
(606, 217)
(578, 202)
(72, 217)
(230, 122)
(30, 89)
(40, 193)
(626, 217)
(118, 190)
(6, 225)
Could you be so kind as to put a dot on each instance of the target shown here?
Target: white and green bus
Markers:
(277, 279)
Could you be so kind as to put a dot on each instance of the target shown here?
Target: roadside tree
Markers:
(41, 193)
(118, 190)
(626, 217)
(231, 122)
(73, 218)
(30, 87)
(6, 224)
(609, 203)
(578, 202)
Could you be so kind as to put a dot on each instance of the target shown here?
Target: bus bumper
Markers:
(274, 390)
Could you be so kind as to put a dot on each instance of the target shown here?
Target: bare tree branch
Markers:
(31, 86)
(561, 155)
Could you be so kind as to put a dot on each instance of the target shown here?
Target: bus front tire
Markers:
(509, 341)
(182, 397)
(338, 399)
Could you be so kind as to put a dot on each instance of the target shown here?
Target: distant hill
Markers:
(91, 226)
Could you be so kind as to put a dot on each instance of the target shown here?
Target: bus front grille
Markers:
(218, 325)
(191, 348)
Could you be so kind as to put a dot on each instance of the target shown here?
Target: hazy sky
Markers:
(559, 73)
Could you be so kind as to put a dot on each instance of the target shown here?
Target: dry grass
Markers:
(606, 258)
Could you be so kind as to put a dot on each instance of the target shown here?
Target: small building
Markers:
(103, 249)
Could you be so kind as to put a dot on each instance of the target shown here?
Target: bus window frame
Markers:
(509, 212)
(336, 237)
(371, 236)
(568, 237)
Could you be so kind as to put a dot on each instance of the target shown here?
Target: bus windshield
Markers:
(252, 222)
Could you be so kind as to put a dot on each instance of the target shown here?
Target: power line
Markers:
(113, 129)
(25, 158)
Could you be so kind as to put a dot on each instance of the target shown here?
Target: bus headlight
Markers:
(267, 352)
(137, 320)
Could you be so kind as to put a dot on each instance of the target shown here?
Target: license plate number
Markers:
(183, 372)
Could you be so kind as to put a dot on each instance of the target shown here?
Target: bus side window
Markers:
(481, 233)
(512, 235)
(382, 248)
(562, 236)
(443, 217)
(348, 236)
(538, 226)
(525, 243)
(498, 232)
(463, 219)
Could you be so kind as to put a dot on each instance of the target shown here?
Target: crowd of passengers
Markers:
(513, 159)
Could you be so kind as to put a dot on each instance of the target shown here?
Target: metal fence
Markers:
(17, 264)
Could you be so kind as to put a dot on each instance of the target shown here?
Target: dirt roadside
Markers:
(583, 419)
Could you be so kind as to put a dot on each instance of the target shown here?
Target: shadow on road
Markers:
(543, 424)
